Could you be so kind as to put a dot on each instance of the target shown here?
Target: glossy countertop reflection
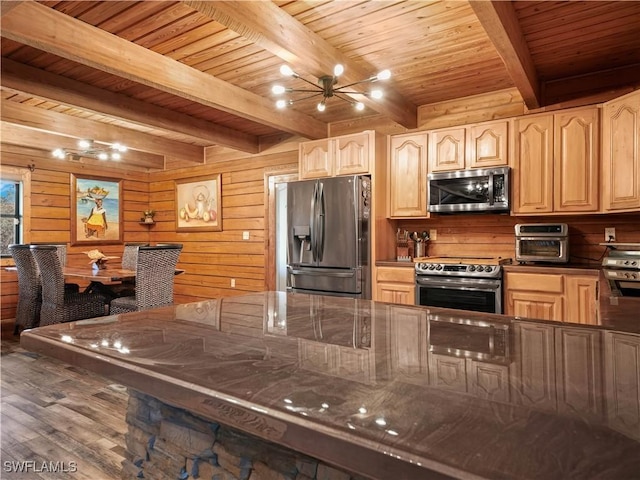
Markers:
(384, 390)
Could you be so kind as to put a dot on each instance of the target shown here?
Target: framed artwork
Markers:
(198, 204)
(96, 210)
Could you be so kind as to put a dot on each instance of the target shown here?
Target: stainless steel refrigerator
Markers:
(328, 230)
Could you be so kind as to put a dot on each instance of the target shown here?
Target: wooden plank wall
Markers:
(51, 209)
(488, 235)
(213, 259)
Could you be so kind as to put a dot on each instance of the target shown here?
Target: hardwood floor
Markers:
(57, 421)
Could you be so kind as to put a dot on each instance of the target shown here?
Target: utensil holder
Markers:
(420, 249)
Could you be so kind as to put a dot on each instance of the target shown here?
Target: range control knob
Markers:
(471, 268)
(488, 268)
(438, 267)
(432, 266)
(480, 268)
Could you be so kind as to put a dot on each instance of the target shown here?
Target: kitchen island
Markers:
(324, 387)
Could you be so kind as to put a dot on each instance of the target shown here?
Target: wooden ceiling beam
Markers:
(56, 88)
(13, 134)
(271, 28)
(498, 18)
(46, 29)
(78, 127)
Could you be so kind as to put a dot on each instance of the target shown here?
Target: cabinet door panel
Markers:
(447, 149)
(576, 160)
(488, 145)
(582, 295)
(534, 305)
(533, 165)
(316, 159)
(488, 381)
(621, 153)
(447, 372)
(352, 154)
(408, 176)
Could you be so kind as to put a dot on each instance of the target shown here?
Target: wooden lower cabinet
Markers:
(568, 298)
(395, 285)
(622, 384)
(534, 295)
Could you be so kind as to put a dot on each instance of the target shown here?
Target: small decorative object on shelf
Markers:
(148, 216)
(98, 259)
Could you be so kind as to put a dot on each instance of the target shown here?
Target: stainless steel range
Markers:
(621, 268)
(463, 283)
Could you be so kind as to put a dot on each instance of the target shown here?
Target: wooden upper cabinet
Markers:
(556, 152)
(344, 155)
(352, 154)
(621, 154)
(316, 160)
(576, 160)
(533, 164)
(447, 149)
(408, 176)
(488, 144)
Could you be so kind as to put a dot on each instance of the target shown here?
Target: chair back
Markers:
(48, 260)
(29, 288)
(130, 255)
(155, 272)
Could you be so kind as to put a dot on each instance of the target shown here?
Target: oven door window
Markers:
(474, 300)
(547, 248)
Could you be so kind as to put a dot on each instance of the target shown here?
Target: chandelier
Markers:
(88, 148)
(326, 87)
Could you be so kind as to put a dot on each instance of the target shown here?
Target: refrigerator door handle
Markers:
(293, 271)
(321, 213)
(312, 222)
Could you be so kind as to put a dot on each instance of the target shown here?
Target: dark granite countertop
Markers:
(387, 391)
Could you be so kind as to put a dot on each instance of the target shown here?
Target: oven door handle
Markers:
(480, 285)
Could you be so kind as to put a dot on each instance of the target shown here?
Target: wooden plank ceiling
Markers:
(170, 78)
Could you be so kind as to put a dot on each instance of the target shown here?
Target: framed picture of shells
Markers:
(198, 204)
(96, 210)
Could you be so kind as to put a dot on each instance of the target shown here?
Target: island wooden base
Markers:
(167, 443)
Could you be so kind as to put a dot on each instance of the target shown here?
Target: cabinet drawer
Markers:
(537, 282)
(396, 274)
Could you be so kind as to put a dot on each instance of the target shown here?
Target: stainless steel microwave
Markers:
(476, 190)
(542, 242)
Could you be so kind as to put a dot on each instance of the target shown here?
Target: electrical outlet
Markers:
(245, 235)
(610, 234)
(433, 234)
(233, 283)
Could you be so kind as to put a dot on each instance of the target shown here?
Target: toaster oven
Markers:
(542, 243)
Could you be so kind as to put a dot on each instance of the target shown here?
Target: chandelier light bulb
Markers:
(103, 156)
(278, 89)
(321, 106)
(359, 106)
(281, 103)
(287, 71)
(377, 94)
(84, 143)
(116, 156)
(58, 153)
(338, 70)
(384, 75)
(119, 147)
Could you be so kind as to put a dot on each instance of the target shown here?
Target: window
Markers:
(10, 214)
(15, 209)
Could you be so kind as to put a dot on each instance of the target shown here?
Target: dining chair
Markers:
(61, 250)
(155, 272)
(59, 305)
(129, 262)
(29, 289)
